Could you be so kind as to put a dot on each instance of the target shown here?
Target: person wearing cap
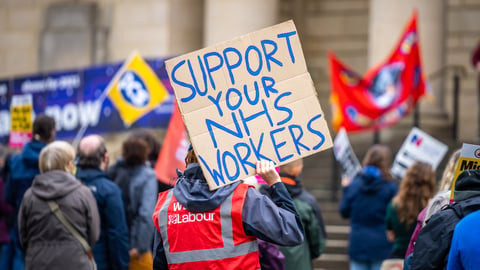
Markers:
(20, 170)
(433, 243)
(202, 229)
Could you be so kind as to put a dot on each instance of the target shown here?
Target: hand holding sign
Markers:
(266, 170)
(249, 99)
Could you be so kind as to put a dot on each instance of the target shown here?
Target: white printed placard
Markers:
(418, 146)
(344, 154)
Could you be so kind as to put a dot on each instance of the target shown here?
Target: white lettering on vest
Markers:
(190, 217)
(177, 206)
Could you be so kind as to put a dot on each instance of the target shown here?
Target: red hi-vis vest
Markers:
(206, 240)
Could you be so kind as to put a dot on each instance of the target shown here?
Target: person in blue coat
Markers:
(364, 202)
(111, 250)
(464, 252)
(20, 169)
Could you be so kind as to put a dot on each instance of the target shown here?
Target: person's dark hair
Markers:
(135, 151)
(152, 141)
(43, 127)
(93, 159)
(379, 156)
(191, 157)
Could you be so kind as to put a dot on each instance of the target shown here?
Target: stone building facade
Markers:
(46, 35)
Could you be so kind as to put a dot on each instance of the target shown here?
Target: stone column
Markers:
(186, 26)
(387, 21)
(226, 19)
(156, 28)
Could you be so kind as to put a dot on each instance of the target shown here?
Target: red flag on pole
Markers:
(385, 94)
(174, 149)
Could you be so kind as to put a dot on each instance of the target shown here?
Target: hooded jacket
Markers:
(301, 256)
(433, 243)
(365, 202)
(274, 221)
(21, 169)
(139, 188)
(111, 250)
(48, 244)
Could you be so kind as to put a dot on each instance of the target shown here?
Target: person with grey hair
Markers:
(111, 250)
(47, 241)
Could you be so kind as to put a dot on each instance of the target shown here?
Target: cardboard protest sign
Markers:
(21, 113)
(344, 154)
(469, 160)
(247, 99)
(418, 146)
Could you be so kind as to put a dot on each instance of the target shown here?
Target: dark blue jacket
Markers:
(365, 202)
(21, 169)
(111, 250)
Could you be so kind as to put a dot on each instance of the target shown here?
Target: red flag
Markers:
(174, 149)
(385, 94)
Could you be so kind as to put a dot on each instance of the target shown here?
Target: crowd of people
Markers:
(67, 208)
(406, 225)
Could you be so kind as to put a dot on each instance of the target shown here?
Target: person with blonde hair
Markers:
(47, 241)
(364, 202)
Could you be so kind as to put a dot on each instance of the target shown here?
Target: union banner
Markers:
(385, 94)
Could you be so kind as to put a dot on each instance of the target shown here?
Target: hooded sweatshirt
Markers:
(21, 169)
(365, 202)
(275, 220)
(434, 241)
(300, 257)
(48, 244)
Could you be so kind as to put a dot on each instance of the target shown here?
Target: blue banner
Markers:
(72, 98)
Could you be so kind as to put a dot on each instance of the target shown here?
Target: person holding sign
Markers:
(365, 201)
(203, 229)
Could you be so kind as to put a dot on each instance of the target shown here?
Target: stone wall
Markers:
(169, 27)
(463, 35)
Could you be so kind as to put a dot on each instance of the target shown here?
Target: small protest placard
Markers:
(469, 160)
(418, 146)
(344, 154)
(21, 113)
(247, 99)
